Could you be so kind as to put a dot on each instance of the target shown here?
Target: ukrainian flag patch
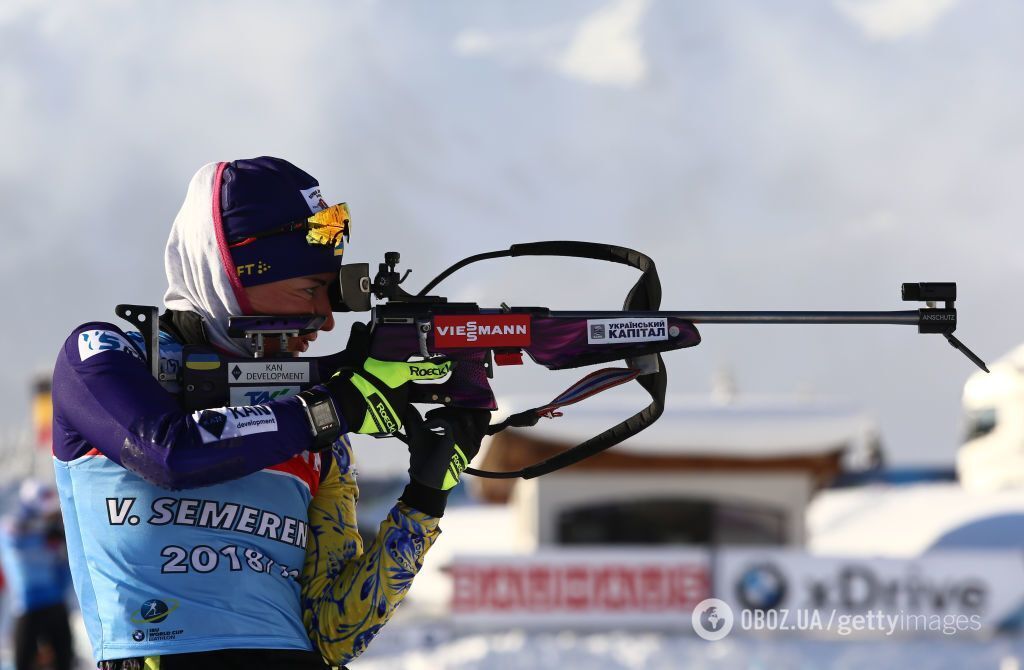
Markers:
(203, 362)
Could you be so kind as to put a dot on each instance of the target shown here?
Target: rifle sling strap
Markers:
(645, 295)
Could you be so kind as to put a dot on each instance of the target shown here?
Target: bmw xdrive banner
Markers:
(792, 592)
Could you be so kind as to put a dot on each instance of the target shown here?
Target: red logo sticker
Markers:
(482, 330)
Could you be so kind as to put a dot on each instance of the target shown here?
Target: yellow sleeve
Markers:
(348, 594)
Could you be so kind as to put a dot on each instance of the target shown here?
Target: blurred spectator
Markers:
(35, 565)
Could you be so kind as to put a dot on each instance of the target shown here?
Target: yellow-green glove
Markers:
(372, 396)
(374, 400)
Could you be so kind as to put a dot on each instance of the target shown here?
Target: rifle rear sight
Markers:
(387, 280)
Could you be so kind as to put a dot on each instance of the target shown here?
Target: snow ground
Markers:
(437, 648)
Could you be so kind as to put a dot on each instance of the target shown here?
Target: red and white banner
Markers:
(580, 587)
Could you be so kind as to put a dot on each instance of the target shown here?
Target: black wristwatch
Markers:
(323, 417)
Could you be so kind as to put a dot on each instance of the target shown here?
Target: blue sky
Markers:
(798, 155)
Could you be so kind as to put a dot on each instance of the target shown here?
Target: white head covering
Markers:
(197, 277)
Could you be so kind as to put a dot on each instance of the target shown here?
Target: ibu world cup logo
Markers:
(712, 619)
(154, 611)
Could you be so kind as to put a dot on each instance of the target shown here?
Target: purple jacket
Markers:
(105, 399)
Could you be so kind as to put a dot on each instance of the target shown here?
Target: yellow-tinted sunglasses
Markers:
(329, 227)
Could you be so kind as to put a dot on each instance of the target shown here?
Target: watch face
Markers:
(322, 414)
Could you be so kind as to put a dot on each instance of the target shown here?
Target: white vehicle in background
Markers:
(992, 457)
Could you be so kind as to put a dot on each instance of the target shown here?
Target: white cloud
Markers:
(472, 42)
(894, 19)
(608, 47)
(603, 48)
(536, 47)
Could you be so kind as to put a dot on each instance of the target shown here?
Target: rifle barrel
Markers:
(900, 318)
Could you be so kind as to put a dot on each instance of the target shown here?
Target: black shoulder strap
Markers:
(645, 295)
(186, 327)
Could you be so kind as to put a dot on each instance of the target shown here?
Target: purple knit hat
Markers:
(260, 199)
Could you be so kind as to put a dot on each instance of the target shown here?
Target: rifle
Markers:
(409, 327)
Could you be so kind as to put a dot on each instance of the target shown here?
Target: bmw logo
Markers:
(138, 635)
(761, 587)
